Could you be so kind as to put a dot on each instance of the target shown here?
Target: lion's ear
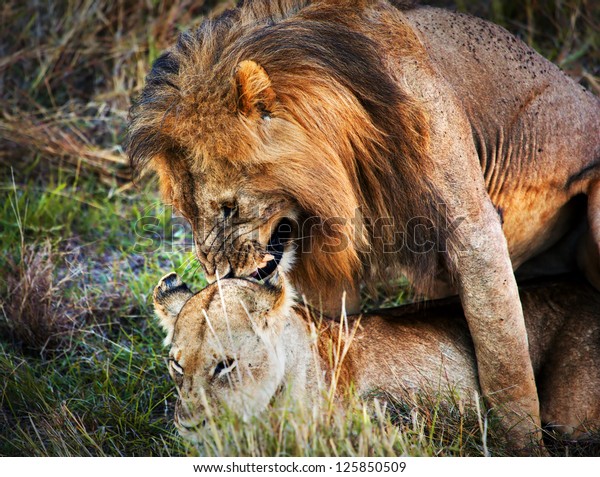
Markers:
(255, 95)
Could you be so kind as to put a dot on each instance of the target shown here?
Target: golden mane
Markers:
(363, 176)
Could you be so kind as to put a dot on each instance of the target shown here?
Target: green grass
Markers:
(82, 368)
(377, 430)
(101, 397)
(102, 388)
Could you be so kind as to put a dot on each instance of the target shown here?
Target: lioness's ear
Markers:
(255, 96)
(169, 297)
(280, 301)
(277, 283)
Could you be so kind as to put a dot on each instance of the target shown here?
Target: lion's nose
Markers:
(221, 271)
(214, 254)
(202, 252)
(207, 266)
(207, 261)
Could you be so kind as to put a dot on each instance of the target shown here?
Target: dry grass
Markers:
(424, 426)
(37, 315)
(69, 69)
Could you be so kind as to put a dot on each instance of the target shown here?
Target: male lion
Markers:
(242, 344)
(352, 141)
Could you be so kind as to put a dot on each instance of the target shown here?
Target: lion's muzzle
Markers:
(234, 253)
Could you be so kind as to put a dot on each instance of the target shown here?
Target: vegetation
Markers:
(82, 367)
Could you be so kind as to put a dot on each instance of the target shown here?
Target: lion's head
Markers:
(278, 132)
(225, 345)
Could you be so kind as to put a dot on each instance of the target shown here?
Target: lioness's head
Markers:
(278, 133)
(224, 346)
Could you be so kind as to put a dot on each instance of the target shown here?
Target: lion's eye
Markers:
(224, 367)
(176, 367)
(228, 209)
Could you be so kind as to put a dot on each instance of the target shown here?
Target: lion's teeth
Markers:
(265, 261)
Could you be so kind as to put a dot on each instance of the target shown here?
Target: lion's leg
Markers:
(491, 303)
(479, 258)
(589, 249)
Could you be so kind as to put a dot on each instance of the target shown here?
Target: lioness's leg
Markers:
(589, 251)
(570, 379)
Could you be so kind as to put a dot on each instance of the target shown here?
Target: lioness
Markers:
(350, 141)
(241, 343)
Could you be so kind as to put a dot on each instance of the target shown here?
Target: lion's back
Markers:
(536, 131)
(486, 65)
(510, 93)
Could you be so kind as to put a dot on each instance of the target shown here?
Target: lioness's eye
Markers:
(224, 367)
(176, 366)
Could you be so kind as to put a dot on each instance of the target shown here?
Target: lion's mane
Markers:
(367, 163)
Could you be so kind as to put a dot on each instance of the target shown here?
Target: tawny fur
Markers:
(396, 140)
(421, 348)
